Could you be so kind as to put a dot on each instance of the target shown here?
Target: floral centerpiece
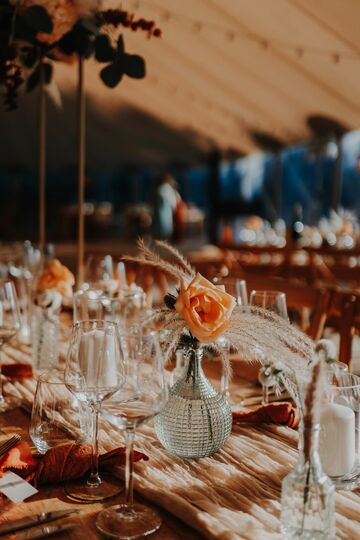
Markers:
(36, 33)
(197, 419)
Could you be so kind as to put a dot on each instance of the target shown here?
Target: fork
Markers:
(5, 447)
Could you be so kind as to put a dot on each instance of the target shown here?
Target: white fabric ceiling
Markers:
(224, 67)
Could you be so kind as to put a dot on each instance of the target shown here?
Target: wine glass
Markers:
(57, 417)
(10, 323)
(236, 288)
(144, 396)
(274, 301)
(94, 372)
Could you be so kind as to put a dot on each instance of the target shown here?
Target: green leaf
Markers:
(112, 74)
(34, 79)
(104, 52)
(38, 19)
(134, 66)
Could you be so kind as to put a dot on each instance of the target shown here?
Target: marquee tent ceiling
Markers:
(224, 68)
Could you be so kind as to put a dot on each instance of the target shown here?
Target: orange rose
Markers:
(58, 277)
(205, 308)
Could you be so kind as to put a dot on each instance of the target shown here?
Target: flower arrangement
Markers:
(35, 33)
(198, 312)
(56, 277)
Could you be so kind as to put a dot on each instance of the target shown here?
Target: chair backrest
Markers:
(344, 315)
(302, 298)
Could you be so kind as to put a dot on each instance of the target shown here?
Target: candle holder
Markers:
(340, 431)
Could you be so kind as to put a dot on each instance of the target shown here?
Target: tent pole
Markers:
(81, 169)
(42, 156)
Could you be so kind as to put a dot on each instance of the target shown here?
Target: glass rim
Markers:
(228, 280)
(264, 292)
(152, 332)
(78, 324)
(347, 387)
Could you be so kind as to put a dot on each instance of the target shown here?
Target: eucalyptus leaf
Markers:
(134, 66)
(104, 52)
(38, 19)
(112, 74)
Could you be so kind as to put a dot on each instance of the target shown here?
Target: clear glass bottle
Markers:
(308, 496)
(196, 419)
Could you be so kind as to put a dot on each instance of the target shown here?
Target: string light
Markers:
(230, 34)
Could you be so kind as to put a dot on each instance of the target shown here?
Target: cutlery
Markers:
(42, 532)
(31, 521)
(5, 447)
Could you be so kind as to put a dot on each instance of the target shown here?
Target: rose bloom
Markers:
(58, 277)
(63, 13)
(205, 308)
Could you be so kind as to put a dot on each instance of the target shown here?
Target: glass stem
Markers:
(265, 399)
(129, 467)
(224, 383)
(94, 478)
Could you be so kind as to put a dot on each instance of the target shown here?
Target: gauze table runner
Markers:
(234, 495)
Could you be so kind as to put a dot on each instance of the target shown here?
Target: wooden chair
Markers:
(344, 316)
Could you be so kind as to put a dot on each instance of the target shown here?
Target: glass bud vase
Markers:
(196, 420)
(45, 335)
(308, 497)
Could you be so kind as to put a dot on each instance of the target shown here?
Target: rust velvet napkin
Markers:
(17, 371)
(59, 464)
(273, 413)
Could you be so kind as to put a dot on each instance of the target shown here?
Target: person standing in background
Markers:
(164, 208)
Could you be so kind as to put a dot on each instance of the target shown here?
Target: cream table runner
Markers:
(232, 496)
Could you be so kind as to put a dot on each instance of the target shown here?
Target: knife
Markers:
(42, 532)
(31, 521)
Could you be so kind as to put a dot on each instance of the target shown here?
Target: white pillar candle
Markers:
(97, 359)
(337, 440)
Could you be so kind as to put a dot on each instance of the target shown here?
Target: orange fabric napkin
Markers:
(61, 463)
(17, 371)
(274, 413)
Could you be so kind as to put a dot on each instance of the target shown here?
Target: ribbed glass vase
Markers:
(196, 420)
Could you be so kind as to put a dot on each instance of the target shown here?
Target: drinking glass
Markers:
(128, 309)
(57, 417)
(88, 304)
(236, 288)
(10, 323)
(94, 372)
(274, 301)
(144, 397)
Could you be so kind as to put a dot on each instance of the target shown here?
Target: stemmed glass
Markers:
(236, 288)
(10, 323)
(274, 301)
(144, 396)
(94, 371)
